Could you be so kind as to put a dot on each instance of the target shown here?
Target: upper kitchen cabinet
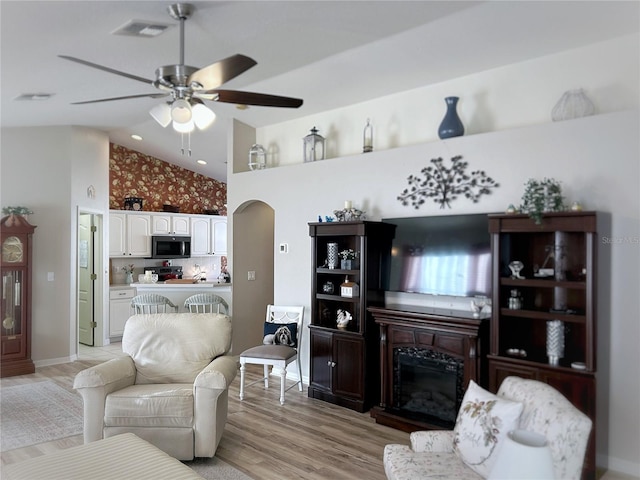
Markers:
(208, 235)
(170, 225)
(129, 235)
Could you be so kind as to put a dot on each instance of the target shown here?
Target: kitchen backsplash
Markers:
(211, 266)
(158, 183)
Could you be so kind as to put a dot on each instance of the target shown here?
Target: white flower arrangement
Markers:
(347, 254)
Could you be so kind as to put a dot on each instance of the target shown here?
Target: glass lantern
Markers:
(257, 157)
(313, 146)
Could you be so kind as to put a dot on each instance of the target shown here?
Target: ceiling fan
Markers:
(188, 86)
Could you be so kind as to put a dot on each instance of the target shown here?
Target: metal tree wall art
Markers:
(445, 184)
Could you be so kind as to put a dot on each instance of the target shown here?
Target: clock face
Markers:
(12, 250)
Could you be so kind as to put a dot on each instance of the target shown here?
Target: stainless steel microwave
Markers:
(170, 246)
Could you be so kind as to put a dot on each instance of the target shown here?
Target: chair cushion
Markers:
(175, 347)
(484, 420)
(272, 352)
(402, 463)
(280, 334)
(162, 405)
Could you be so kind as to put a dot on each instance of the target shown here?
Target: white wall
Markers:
(49, 170)
(595, 158)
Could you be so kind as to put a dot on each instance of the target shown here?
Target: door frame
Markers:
(99, 307)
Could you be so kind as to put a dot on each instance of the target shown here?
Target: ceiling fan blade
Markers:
(220, 72)
(250, 98)
(149, 95)
(107, 69)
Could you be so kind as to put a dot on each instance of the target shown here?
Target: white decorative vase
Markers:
(572, 104)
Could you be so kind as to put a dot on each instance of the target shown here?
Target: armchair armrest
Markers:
(94, 384)
(218, 374)
(435, 441)
(211, 392)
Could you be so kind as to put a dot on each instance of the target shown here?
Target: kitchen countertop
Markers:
(115, 286)
(180, 285)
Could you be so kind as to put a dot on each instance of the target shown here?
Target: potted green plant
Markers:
(542, 196)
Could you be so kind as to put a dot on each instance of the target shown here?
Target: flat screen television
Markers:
(441, 255)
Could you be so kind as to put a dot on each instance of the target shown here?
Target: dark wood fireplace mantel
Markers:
(456, 334)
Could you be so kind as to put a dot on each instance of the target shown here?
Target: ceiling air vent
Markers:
(141, 28)
(28, 97)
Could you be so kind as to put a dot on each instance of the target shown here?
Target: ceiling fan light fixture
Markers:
(203, 116)
(181, 111)
(161, 113)
(186, 127)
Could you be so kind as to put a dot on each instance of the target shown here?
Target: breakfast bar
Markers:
(179, 290)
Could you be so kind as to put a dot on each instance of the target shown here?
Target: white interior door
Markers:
(86, 279)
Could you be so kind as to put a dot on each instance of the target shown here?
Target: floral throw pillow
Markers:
(483, 422)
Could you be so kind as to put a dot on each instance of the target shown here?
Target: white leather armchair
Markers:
(545, 411)
(171, 388)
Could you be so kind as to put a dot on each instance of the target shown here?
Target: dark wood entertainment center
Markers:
(425, 356)
(448, 333)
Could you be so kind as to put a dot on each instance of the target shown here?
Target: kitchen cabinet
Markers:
(345, 365)
(15, 306)
(129, 235)
(208, 235)
(119, 309)
(170, 225)
(550, 301)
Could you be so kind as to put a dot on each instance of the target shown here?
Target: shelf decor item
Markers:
(349, 289)
(332, 255)
(343, 319)
(542, 196)
(313, 146)
(555, 341)
(445, 184)
(22, 211)
(572, 104)
(347, 259)
(451, 125)
(367, 143)
(133, 203)
(257, 157)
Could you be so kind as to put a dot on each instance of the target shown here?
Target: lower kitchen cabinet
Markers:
(119, 309)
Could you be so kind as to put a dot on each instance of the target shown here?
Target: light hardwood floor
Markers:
(304, 439)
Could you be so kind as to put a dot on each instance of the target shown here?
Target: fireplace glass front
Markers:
(428, 385)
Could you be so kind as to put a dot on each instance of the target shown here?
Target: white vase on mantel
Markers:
(572, 104)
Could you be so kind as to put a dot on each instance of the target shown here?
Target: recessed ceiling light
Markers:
(136, 137)
(201, 162)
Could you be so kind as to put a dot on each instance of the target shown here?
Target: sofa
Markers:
(170, 388)
(519, 404)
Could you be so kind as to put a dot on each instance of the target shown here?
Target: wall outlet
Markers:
(251, 275)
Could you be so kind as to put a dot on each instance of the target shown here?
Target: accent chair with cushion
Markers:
(282, 331)
(466, 453)
(171, 388)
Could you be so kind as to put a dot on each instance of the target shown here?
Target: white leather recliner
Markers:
(171, 388)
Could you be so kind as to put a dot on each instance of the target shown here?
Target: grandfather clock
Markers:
(15, 268)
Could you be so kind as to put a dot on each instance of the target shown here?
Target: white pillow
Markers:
(484, 420)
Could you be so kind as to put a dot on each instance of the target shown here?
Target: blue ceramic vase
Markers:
(451, 125)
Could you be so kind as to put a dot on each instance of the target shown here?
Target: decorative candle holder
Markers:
(555, 341)
(332, 255)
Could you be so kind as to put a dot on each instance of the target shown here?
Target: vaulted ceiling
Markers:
(329, 53)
